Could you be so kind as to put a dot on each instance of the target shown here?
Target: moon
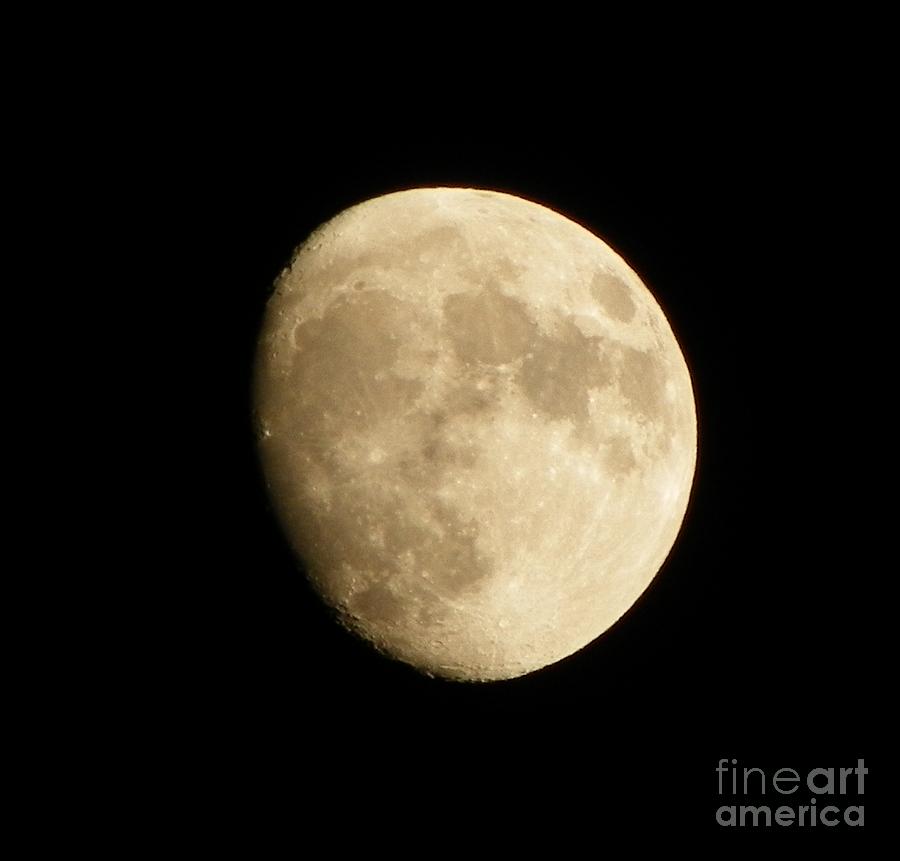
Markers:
(476, 427)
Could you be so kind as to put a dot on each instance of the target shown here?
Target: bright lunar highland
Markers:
(476, 426)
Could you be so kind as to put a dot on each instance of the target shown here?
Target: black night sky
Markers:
(749, 221)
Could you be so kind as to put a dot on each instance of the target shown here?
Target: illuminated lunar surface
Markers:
(476, 426)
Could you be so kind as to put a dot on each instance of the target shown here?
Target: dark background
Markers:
(754, 221)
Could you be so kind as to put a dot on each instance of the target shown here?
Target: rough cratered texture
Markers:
(477, 428)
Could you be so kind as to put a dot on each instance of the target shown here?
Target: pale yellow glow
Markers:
(477, 428)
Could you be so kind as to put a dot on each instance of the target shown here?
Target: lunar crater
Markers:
(613, 295)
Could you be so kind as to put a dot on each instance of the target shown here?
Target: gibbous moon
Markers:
(476, 426)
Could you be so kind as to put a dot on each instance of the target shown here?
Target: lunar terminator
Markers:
(476, 426)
